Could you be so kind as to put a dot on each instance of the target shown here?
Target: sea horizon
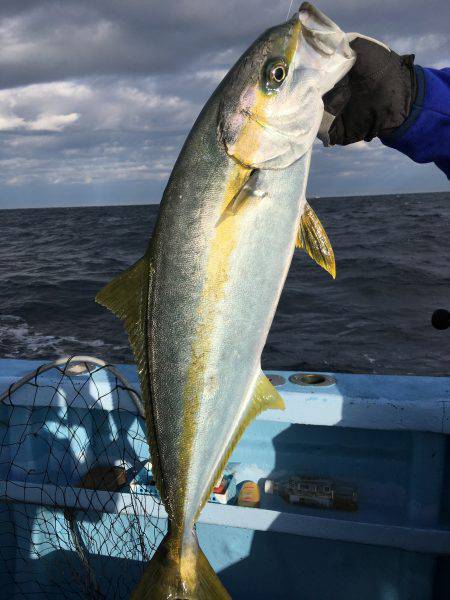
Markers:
(143, 203)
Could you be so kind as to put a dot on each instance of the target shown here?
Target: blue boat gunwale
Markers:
(363, 401)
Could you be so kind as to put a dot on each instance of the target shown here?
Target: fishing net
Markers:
(79, 514)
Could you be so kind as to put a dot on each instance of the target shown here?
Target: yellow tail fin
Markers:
(163, 578)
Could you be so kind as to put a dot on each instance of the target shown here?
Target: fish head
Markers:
(271, 106)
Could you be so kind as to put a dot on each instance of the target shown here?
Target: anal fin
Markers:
(265, 396)
(122, 295)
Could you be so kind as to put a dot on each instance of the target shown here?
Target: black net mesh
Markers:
(79, 517)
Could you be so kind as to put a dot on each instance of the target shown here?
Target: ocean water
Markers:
(393, 271)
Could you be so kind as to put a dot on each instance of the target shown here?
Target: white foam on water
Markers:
(19, 340)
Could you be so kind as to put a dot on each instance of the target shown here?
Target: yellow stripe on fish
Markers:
(221, 247)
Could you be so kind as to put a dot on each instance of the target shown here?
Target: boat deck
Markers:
(386, 435)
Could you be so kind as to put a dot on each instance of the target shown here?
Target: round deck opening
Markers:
(311, 379)
(276, 380)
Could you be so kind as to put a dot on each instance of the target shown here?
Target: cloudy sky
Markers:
(96, 96)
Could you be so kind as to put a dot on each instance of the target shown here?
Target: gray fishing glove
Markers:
(373, 99)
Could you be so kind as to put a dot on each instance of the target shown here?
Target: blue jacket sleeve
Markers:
(425, 135)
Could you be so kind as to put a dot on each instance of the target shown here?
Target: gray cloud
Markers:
(97, 95)
(50, 40)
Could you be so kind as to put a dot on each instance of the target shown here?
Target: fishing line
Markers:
(289, 10)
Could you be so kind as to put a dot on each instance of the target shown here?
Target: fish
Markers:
(198, 305)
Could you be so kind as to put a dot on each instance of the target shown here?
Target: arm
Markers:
(425, 134)
(385, 95)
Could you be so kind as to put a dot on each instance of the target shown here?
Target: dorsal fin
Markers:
(264, 397)
(127, 296)
(312, 238)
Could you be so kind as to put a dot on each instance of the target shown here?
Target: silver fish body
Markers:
(236, 323)
(199, 305)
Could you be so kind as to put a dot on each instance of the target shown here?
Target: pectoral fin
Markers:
(265, 396)
(245, 197)
(311, 237)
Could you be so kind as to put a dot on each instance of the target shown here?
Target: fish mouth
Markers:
(322, 33)
(307, 14)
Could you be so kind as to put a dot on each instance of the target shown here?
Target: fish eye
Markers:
(276, 72)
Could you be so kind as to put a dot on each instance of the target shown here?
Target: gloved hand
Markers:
(373, 99)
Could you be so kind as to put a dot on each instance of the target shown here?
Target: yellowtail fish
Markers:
(198, 305)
